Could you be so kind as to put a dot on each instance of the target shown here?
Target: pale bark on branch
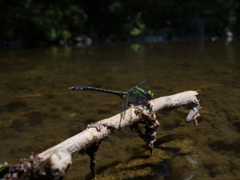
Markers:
(58, 158)
(60, 155)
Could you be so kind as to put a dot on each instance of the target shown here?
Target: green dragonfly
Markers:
(134, 96)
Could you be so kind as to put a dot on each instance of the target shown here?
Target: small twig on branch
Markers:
(58, 157)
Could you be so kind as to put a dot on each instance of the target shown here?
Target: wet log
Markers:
(59, 157)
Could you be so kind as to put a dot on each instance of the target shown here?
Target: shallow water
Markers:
(38, 111)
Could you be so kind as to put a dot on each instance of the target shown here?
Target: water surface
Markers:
(38, 111)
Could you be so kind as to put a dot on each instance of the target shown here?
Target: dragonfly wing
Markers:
(136, 97)
(143, 83)
(123, 106)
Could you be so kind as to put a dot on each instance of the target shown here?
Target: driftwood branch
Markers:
(59, 157)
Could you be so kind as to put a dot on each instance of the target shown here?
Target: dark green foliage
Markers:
(39, 21)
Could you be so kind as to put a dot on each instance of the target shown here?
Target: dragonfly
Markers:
(133, 97)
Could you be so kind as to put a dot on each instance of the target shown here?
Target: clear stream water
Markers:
(38, 111)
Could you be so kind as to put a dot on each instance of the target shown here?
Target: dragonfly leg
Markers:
(150, 108)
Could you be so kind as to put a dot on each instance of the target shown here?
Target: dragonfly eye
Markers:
(149, 94)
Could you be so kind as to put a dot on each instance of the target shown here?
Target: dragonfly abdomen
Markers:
(80, 88)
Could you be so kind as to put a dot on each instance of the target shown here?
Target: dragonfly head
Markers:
(149, 94)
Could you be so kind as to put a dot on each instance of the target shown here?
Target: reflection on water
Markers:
(38, 111)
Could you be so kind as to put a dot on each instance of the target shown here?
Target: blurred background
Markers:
(37, 22)
(49, 46)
